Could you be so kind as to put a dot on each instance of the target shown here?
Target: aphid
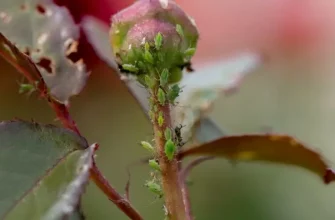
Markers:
(155, 188)
(27, 88)
(122, 70)
(178, 139)
(170, 149)
(187, 66)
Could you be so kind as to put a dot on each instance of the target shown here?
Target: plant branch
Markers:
(122, 203)
(169, 168)
(186, 200)
(185, 172)
(182, 176)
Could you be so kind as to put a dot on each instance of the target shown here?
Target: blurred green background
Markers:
(277, 96)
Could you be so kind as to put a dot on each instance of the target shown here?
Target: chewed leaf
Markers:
(202, 88)
(70, 199)
(20, 61)
(47, 34)
(269, 148)
(37, 162)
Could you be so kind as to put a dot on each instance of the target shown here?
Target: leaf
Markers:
(202, 88)
(37, 164)
(269, 148)
(70, 198)
(20, 61)
(48, 34)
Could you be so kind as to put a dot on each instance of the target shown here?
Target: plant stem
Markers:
(169, 168)
(122, 203)
(183, 175)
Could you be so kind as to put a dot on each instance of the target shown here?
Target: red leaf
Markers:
(269, 148)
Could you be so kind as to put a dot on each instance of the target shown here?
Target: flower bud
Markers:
(153, 34)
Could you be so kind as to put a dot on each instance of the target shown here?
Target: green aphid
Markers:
(154, 165)
(164, 78)
(161, 96)
(147, 146)
(26, 88)
(154, 187)
(152, 115)
(173, 93)
(167, 134)
(147, 55)
(160, 119)
(170, 149)
(158, 41)
(180, 30)
(130, 68)
(147, 46)
(189, 52)
(149, 81)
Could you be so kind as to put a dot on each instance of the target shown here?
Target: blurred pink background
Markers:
(286, 27)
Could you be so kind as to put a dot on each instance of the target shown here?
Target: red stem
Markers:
(182, 176)
(121, 202)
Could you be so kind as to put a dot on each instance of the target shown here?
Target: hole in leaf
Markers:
(45, 63)
(40, 9)
(72, 51)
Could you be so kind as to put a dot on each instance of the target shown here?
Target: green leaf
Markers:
(49, 35)
(269, 148)
(38, 164)
(70, 198)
